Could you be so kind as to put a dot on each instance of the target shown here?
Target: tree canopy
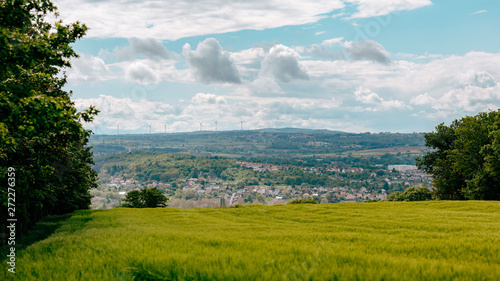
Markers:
(412, 193)
(145, 198)
(465, 158)
(41, 132)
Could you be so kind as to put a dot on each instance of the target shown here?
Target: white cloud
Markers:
(150, 48)
(366, 96)
(370, 50)
(202, 98)
(171, 20)
(141, 73)
(332, 42)
(129, 114)
(87, 68)
(480, 12)
(283, 64)
(372, 8)
(211, 63)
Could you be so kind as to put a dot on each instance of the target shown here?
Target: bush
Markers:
(145, 198)
(412, 193)
(303, 201)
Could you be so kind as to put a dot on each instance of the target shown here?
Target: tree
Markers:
(41, 132)
(465, 158)
(412, 193)
(145, 198)
(303, 201)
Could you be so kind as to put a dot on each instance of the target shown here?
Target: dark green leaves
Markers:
(465, 158)
(145, 198)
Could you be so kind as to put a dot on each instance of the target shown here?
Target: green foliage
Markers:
(436, 240)
(41, 135)
(303, 201)
(412, 193)
(465, 158)
(145, 198)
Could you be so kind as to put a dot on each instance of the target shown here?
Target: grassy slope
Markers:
(376, 241)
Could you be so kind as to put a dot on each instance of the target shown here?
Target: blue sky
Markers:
(349, 65)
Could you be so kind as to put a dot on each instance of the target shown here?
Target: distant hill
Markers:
(276, 143)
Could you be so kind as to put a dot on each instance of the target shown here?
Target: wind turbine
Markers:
(149, 129)
(201, 125)
(241, 125)
(165, 126)
(118, 129)
(216, 126)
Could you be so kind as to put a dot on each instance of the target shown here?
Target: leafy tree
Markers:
(145, 198)
(465, 158)
(412, 193)
(41, 135)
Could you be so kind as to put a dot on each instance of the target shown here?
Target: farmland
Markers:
(437, 240)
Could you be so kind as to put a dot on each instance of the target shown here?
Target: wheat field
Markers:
(437, 240)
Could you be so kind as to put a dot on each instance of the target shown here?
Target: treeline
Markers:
(43, 145)
(465, 158)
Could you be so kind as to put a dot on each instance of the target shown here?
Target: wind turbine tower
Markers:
(201, 126)
(216, 126)
(149, 129)
(165, 127)
(241, 125)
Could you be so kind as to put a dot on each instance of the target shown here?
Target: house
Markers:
(193, 181)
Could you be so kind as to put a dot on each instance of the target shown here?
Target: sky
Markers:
(348, 65)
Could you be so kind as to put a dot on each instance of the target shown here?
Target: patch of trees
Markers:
(41, 135)
(465, 158)
(412, 193)
(145, 198)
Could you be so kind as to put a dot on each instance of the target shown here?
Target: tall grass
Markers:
(376, 241)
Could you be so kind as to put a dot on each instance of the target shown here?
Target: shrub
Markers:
(412, 193)
(145, 198)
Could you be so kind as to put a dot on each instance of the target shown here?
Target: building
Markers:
(402, 168)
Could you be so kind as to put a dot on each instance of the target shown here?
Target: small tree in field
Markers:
(412, 193)
(145, 198)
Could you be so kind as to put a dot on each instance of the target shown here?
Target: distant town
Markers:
(357, 185)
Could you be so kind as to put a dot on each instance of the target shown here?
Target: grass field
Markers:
(372, 241)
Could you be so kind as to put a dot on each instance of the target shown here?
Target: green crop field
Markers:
(437, 240)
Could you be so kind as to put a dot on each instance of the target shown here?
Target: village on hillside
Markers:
(354, 185)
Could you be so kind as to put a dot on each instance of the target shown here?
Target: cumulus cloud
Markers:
(202, 98)
(150, 48)
(366, 96)
(484, 80)
(88, 68)
(141, 73)
(367, 49)
(210, 63)
(323, 50)
(283, 64)
(470, 98)
(370, 8)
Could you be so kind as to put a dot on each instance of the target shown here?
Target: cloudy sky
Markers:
(349, 65)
